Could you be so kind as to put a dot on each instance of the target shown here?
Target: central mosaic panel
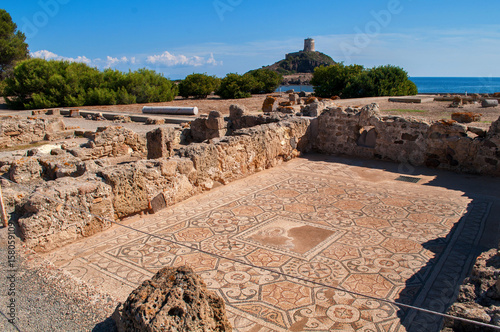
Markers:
(291, 237)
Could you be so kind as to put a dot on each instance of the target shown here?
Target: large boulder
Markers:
(175, 299)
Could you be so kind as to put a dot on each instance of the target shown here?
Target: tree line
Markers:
(37, 83)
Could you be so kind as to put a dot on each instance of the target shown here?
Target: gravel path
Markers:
(48, 299)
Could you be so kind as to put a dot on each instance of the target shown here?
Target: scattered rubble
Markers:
(466, 117)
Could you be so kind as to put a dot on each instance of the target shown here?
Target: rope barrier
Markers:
(398, 304)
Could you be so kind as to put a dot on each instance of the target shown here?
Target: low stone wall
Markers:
(111, 142)
(442, 144)
(118, 191)
(46, 224)
(18, 131)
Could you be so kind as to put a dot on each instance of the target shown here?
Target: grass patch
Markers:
(406, 111)
(485, 121)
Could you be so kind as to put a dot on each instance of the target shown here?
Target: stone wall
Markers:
(118, 191)
(18, 131)
(176, 172)
(441, 144)
(112, 141)
(48, 224)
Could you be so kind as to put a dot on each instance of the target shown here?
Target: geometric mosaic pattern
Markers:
(316, 220)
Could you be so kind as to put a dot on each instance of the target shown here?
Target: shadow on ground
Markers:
(477, 231)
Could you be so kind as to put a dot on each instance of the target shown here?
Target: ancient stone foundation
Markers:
(442, 144)
(224, 150)
(16, 131)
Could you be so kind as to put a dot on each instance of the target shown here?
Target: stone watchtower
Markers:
(309, 45)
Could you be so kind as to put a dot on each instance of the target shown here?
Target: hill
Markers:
(301, 62)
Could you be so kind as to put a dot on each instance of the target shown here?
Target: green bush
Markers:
(235, 86)
(38, 83)
(198, 85)
(354, 81)
(332, 80)
(267, 80)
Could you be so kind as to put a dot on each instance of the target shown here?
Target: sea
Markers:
(460, 85)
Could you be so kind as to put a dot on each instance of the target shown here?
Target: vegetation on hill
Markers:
(13, 47)
(355, 81)
(198, 85)
(301, 62)
(38, 83)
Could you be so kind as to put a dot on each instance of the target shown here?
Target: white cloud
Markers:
(98, 62)
(44, 54)
(171, 60)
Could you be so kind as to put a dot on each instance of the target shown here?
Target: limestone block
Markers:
(270, 104)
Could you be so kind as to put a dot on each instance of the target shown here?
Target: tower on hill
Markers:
(309, 45)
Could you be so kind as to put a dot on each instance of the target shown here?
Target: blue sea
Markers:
(436, 85)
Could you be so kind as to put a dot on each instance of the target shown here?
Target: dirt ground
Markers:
(435, 110)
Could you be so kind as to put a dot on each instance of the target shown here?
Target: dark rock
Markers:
(175, 299)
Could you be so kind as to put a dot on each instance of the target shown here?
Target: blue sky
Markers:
(177, 38)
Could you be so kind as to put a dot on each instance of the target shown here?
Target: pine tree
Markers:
(13, 47)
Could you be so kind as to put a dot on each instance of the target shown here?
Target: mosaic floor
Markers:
(343, 226)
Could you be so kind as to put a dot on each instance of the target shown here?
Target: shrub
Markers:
(235, 86)
(332, 80)
(198, 85)
(267, 80)
(38, 83)
(355, 81)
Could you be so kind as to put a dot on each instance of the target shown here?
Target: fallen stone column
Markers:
(172, 110)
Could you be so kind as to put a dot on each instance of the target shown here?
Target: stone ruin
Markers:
(171, 165)
(479, 296)
(175, 299)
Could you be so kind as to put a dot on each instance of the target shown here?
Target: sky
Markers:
(441, 38)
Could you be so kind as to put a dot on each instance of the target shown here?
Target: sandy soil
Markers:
(436, 110)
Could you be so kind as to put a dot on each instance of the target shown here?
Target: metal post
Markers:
(2, 208)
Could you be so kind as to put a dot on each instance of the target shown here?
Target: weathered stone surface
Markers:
(17, 131)
(207, 128)
(58, 166)
(135, 185)
(247, 151)
(466, 117)
(479, 297)
(113, 141)
(48, 224)
(25, 170)
(161, 142)
(270, 104)
(175, 299)
(442, 144)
